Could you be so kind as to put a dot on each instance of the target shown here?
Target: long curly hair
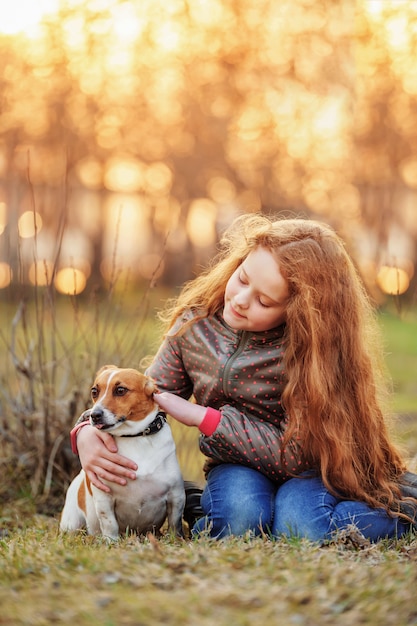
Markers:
(336, 375)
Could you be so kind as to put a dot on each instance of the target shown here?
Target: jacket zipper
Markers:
(229, 363)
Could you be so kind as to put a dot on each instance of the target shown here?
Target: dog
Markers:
(124, 407)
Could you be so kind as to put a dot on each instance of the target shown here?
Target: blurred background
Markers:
(132, 132)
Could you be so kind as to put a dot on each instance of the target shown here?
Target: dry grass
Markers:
(50, 349)
(47, 578)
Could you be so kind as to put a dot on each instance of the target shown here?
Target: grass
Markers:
(46, 578)
(401, 346)
(401, 354)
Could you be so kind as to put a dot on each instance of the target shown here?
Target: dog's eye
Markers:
(94, 392)
(120, 391)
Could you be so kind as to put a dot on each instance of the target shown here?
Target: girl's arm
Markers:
(234, 437)
(244, 439)
(188, 413)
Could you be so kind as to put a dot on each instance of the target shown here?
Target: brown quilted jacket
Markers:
(239, 373)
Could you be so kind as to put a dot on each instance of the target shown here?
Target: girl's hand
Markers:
(187, 413)
(99, 458)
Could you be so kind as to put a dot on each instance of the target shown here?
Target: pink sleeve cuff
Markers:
(73, 435)
(210, 422)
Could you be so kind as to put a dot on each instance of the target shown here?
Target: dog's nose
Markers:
(96, 415)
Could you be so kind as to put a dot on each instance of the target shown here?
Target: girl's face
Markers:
(256, 294)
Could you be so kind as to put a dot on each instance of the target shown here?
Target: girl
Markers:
(277, 342)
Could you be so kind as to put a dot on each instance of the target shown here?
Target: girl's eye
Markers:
(265, 306)
(242, 279)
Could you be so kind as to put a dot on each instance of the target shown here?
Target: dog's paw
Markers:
(111, 540)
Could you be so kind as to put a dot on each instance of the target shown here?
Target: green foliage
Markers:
(401, 346)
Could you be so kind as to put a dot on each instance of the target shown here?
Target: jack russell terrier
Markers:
(124, 407)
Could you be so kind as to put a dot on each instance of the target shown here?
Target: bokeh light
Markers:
(29, 224)
(3, 217)
(201, 222)
(408, 172)
(221, 190)
(127, 236)
(24, 15)
(158, 178)
(124, 175)
(393, 280)
(70, 281)
(5, 275)
(90, 173)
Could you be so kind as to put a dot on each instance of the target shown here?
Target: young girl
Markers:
(277, 342)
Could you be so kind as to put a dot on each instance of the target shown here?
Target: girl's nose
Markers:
(241, 299)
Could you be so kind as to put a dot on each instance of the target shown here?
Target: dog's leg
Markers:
(72, 517)
(175, 508)
(104, 508)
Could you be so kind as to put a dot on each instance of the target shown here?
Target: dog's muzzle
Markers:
(97, 419)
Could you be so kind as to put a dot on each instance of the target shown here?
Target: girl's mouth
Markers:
(236, 313)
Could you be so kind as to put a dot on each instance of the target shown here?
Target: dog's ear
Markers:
(150, 387)
(106, 367)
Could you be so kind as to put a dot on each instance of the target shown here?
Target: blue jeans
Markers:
(238, 499)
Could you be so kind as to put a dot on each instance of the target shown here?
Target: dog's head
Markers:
(120, 396)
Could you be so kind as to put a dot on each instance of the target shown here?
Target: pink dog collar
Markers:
(73, 435)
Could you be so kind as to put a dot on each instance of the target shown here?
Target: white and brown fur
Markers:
(124, 405)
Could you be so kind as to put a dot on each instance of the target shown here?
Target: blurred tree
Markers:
(191, 112)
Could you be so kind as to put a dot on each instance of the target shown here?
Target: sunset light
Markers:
(3, 216)
(201, 222)
(5, 275)
(393, 280)
(146, 127)
(24, 16)
(29, 224)
(70, 281)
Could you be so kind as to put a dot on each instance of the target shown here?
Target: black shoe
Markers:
(408, 488)
(192, 508)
